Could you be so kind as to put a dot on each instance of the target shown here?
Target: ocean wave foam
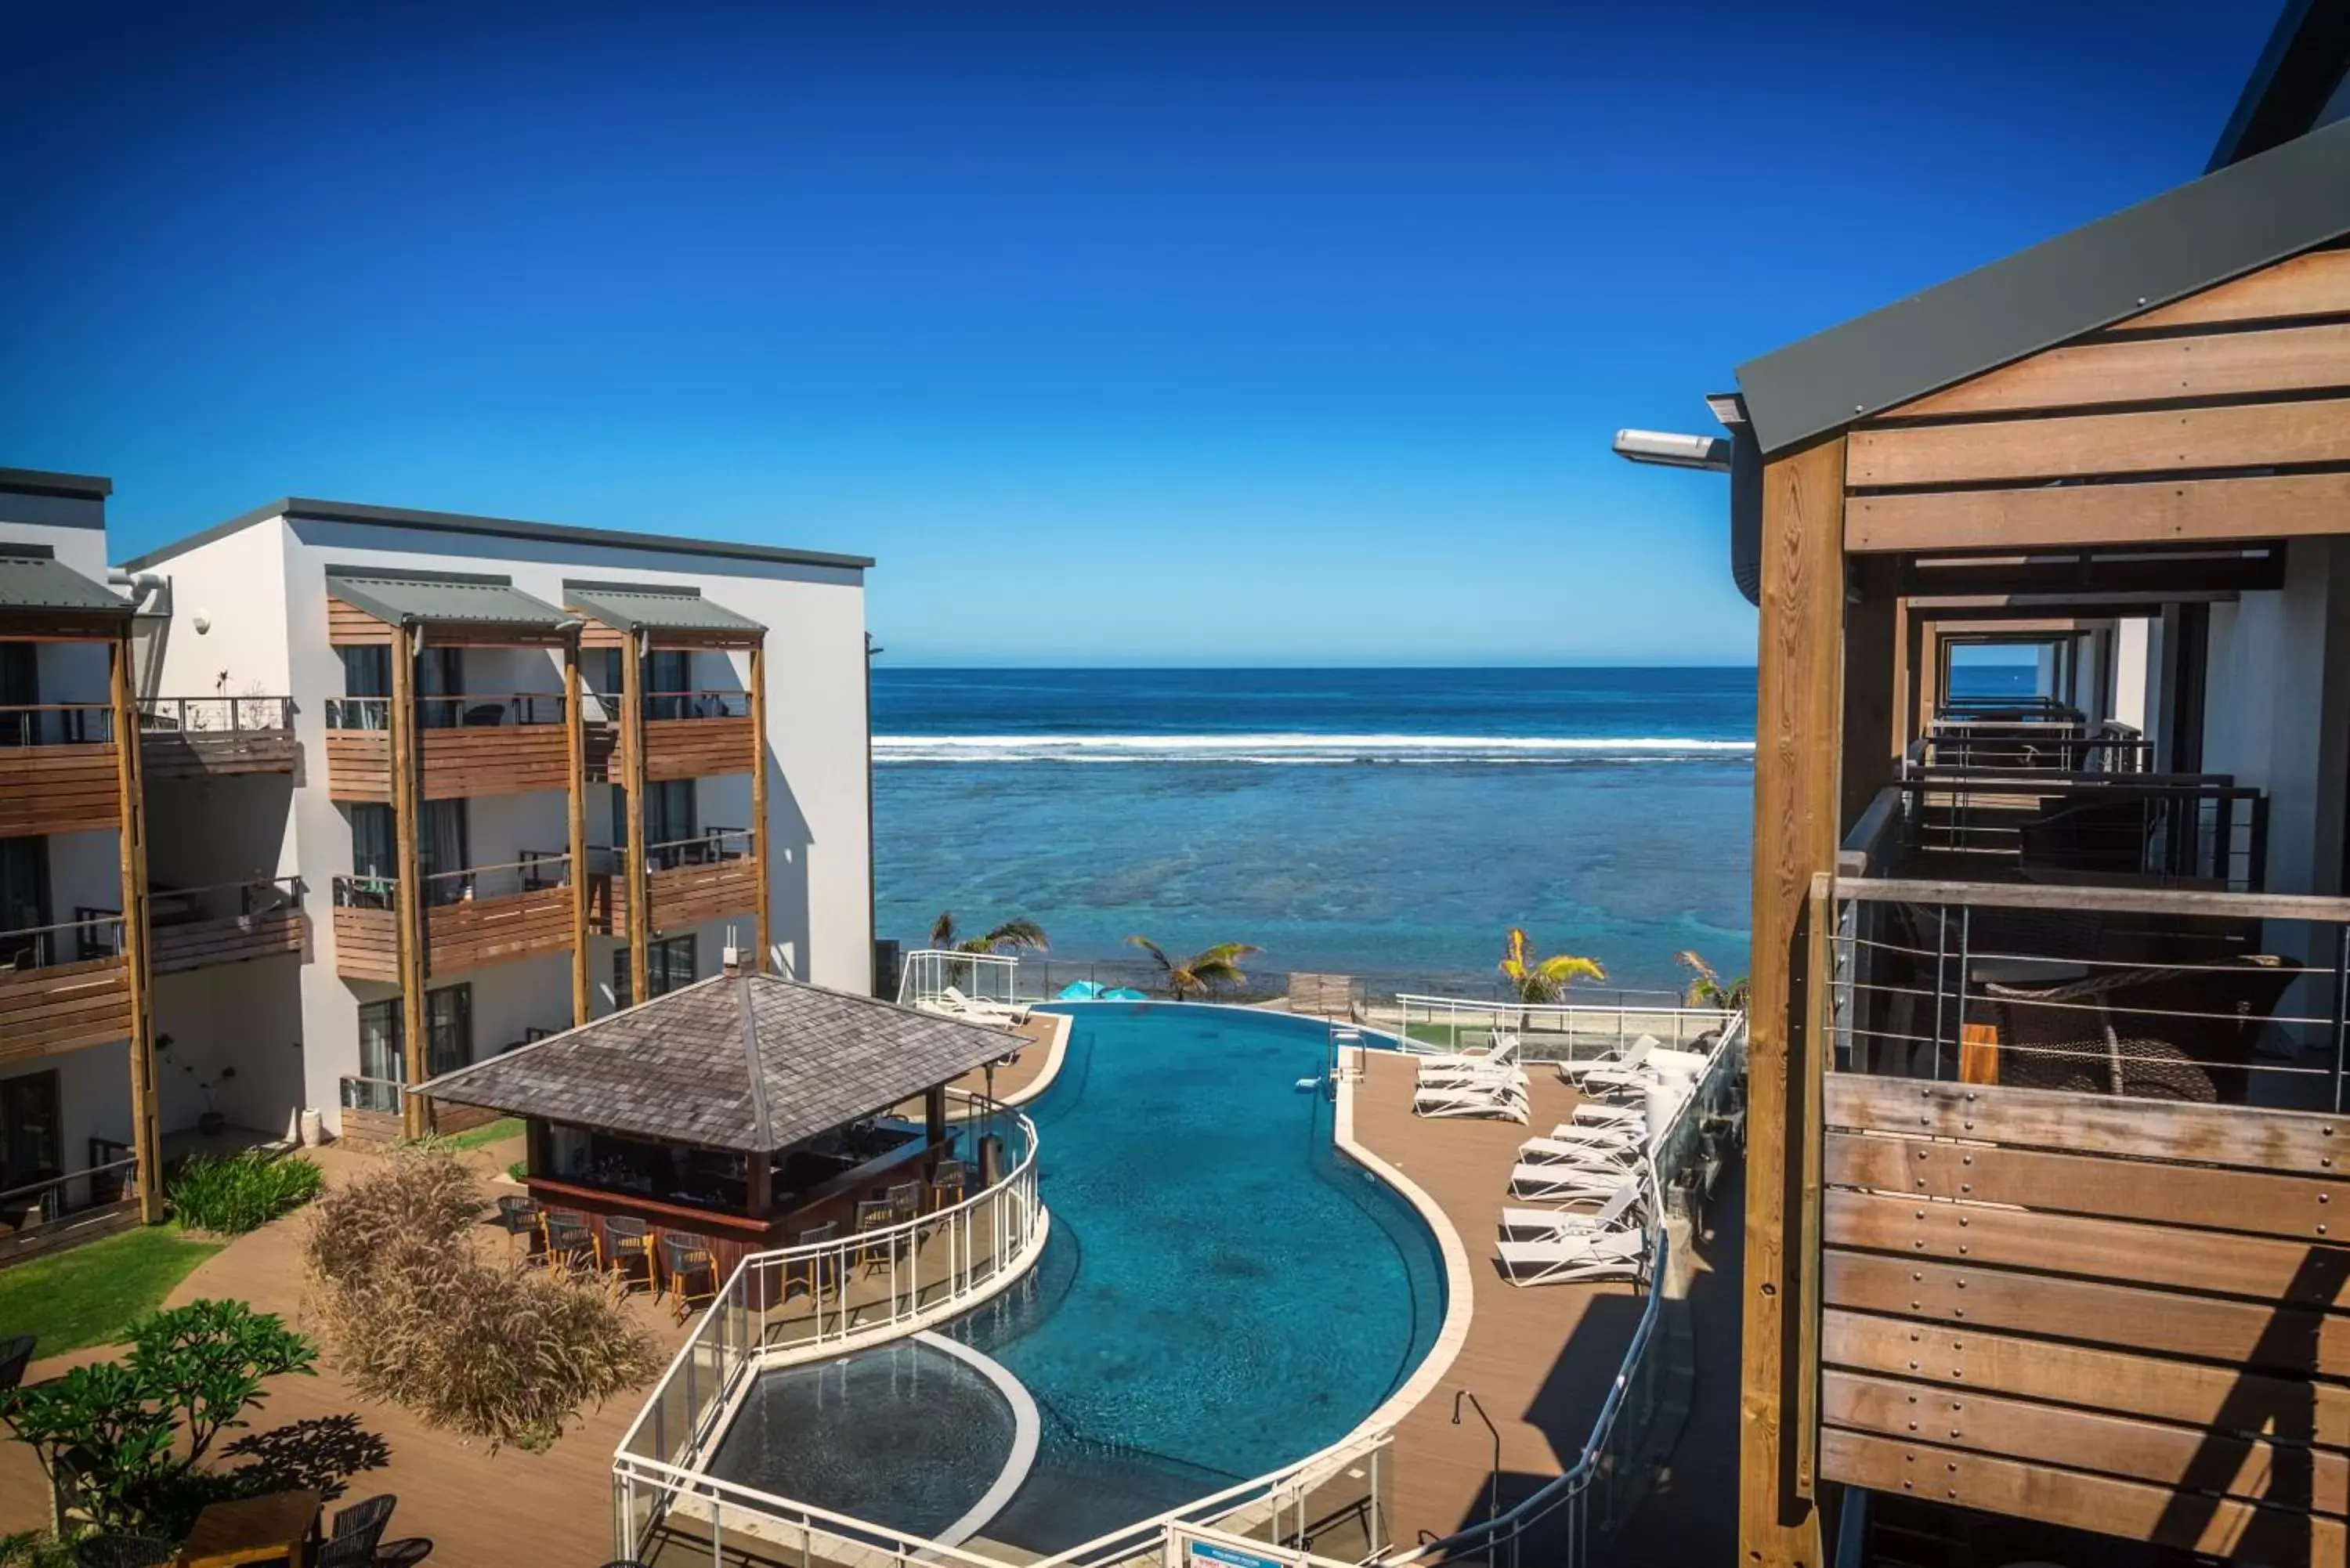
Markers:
(1296, 748)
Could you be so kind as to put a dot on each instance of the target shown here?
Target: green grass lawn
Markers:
(92, 1294)
(489, 1132)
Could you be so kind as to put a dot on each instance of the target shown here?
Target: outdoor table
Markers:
(270, 1529)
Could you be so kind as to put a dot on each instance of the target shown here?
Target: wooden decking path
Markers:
(1538, 1359)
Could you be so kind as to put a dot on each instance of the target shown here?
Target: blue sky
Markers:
(1118, 333)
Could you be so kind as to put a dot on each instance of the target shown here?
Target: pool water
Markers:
(1222, 1295)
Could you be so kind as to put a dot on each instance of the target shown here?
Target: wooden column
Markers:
(632, 752)
(1872, 671)
(146, 1118)
(1796, 801)
(576, 813)
(1913, 635)
(408, 900)
(759, 805)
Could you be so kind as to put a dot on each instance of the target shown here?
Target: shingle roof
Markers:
(678, 1069)
(31, 578)
(446, 598)
(2195, 236)
(626, 607)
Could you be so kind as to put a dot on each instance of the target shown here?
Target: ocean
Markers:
(1390, 824)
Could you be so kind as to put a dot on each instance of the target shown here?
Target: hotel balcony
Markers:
(486, 915)
(212, 737)
(63, 987)
(229, 923)
(690, 882)
(58, 770)
(475, 745)
(2074, 1158)
(688, 735)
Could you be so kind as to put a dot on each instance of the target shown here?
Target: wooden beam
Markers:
(1796, 803)
(632, 752)
(146, 1124)
(408, 899)
(2308, 907)
(2162, 511)
(575, 818)
(759, 805)
(2317, 283)
(2251, 435)
(2151, 369)
(2167, 573)
(1873, 665)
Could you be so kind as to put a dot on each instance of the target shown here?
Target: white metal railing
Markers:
(1560, 1522)
(849, 1291)
(929, 972)
(1568, 1031)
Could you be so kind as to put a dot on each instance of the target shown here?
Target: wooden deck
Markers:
(1538, 1359)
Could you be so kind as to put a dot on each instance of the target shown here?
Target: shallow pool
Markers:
(1223, 1293)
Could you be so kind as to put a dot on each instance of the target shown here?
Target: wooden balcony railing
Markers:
(688, 735)
(694, 881)
(481, 915)
(472, 744)
(2077, 1160)
(228, 922)
(63, 987)
(208, 737)
(57, 769)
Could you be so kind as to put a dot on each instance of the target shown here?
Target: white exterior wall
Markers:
(2128, 705)
(263, 587)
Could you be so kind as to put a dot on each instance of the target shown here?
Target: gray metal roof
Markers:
(41, 481)
(446, 598)
(681, 1068)
(626, 607)
(296, 508)
(2293, 198)
(33, 578)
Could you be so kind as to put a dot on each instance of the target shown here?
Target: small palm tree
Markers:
(1012, 936)
(1706, 989)
(1535, 979)
(1202, 972)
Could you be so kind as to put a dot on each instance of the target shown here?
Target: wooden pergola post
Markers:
(409, 900)
(146, 1119)
(759, 802)
(576, 815)
(632, 753)
(1797, 792)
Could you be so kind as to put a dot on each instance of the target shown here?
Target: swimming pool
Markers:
(1223, 1294)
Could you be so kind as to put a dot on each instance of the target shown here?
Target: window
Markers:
(668, 822)
(371, 848)
(30, 1144)
(23, 897)
(366, 674)
(20, 687)
(442, 848)
(382, 1055)
(447, 1029)
(670, 963)
(669, 676)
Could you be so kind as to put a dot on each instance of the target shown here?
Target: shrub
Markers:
(242, 1192)
(518, 1169)
(124, 1442)
(418, 1315)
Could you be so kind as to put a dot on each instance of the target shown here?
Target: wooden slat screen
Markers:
(58, 789)
(2115, 1315)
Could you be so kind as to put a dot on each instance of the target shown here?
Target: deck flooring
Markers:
(1538, 1360)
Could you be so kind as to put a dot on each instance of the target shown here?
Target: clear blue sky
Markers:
(1120, 333)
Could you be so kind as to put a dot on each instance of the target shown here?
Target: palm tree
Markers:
(1012, 936)
(1706, 988)
(1536, 979)
(1202, 972)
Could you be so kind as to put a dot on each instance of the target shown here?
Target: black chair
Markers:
(364, 1520)
(345, 1551)
(405, 1554)
(16, 1355)
(518, 1218)
(124, 1552)
(485, 715)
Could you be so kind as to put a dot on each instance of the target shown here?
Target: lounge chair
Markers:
(1471, 1071)
(1485, 1097)
(1591, 1154)
(1501, 1051)
(1569, 1258)
(954, 1002)
(1555, 1181)
(1626, 1060)
(1565, 1222)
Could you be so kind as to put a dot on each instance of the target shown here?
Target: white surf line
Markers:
(1027, 1432)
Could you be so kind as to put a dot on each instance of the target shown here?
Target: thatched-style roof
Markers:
(752, 1063)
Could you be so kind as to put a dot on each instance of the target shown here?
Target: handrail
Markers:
(374, 713)
(293, 885)
(710, 846)
(21, 725)
(188, 715)
(86, 1173)
(2106, 900)
(15, 947)
(811, 1518)
(688, 704)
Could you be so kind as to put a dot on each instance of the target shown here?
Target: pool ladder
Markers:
(1345, 1038)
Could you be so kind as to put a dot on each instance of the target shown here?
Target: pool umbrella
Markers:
(1079, 990)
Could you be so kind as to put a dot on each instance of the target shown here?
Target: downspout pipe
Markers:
(150, 601)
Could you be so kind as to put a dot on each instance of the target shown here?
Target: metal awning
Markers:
(442, 598)
(34, 581)
(636, 606)
(749, 1063)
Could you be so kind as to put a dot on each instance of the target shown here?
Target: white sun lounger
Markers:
(1456, 1070)
(1680, 1069)
(1564, 1259)
(1502, 1053)
(1564, 1222)
(1597, 1153)
(1555, 1182)
(1623, 1061)
(1496, 1097)
(957, 1002)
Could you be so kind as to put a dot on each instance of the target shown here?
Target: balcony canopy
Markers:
(662, 613)
(749, 1064)
(461, 602)
(39, 593)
